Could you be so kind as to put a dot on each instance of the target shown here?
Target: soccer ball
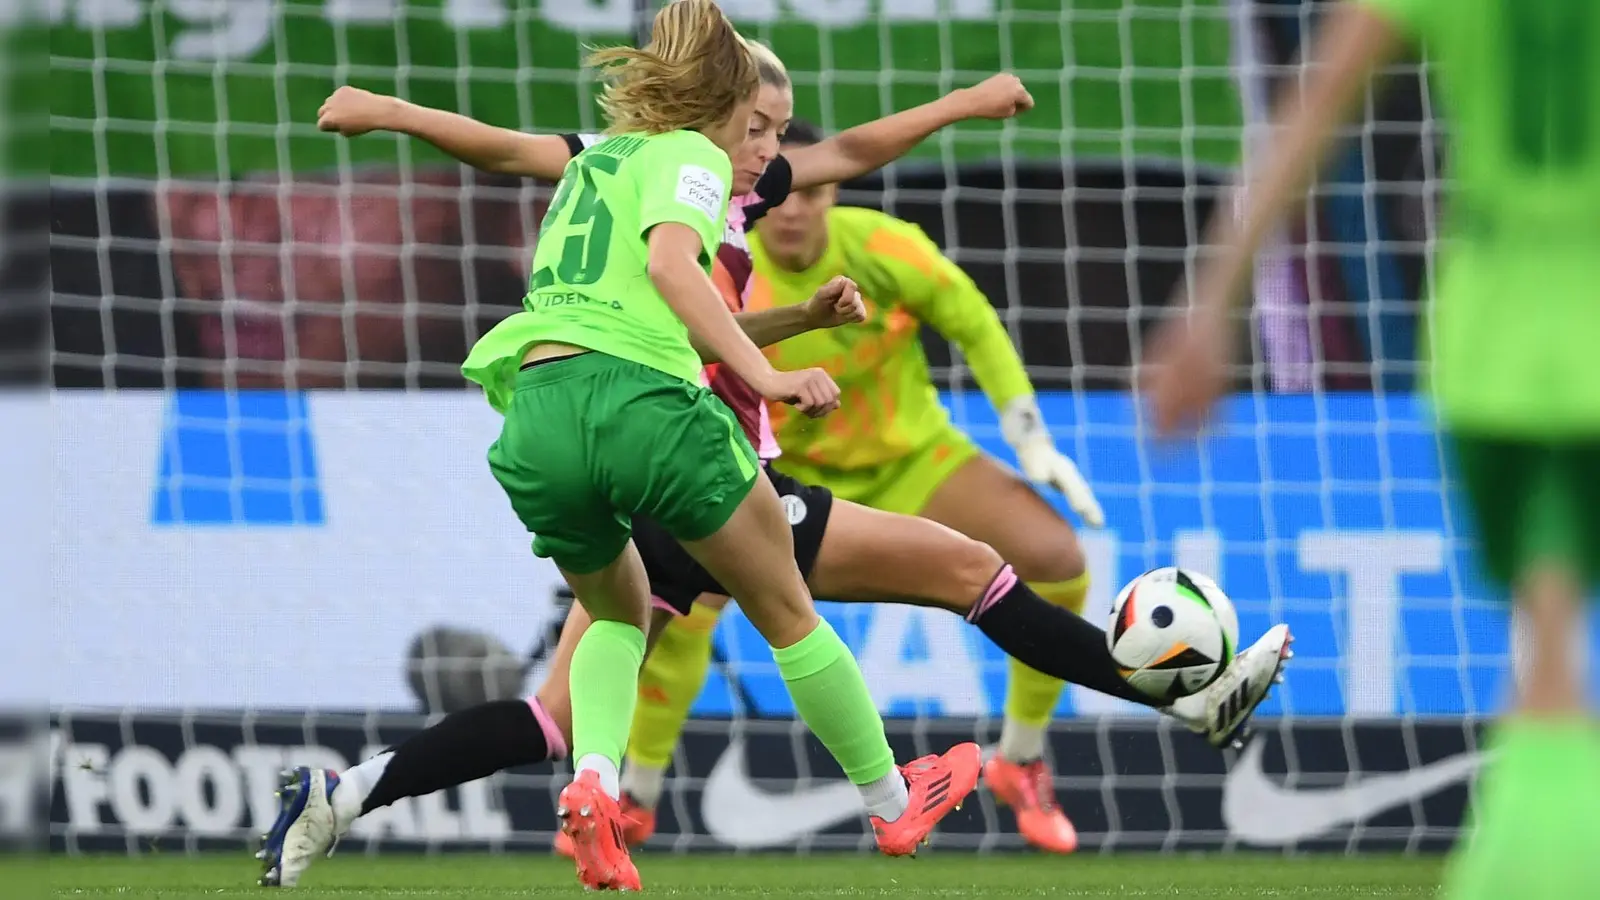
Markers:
(1172, 632)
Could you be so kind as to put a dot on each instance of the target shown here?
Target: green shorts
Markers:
(903, 486)
(1532, 502)
(591, 441)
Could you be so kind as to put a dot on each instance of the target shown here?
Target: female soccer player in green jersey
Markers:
(1515, 328)
(605, 420)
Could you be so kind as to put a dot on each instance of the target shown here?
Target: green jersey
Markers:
(590, 286)
(1517, 317)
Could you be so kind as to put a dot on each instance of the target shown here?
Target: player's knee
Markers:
(782, 616)
(1048, 557)
(973, 566)
(558, 704)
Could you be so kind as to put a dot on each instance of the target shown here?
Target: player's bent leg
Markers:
(984, 500)
(752, 555)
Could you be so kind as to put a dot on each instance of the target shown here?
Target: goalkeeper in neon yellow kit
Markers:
(892, 446)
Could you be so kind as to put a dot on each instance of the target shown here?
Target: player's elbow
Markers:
(662, 272)
(667, 253)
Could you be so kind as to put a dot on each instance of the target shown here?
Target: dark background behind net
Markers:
(137, 273)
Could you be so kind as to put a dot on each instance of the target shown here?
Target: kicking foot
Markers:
(936, 785)
(592, 823)
(1222, 711)
(1029, 789)
(638, 824)
(308, 826)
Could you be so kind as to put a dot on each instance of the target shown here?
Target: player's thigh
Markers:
(989, 502)
(752, 555)
(676, 578)
(869, 555)
(542, 461)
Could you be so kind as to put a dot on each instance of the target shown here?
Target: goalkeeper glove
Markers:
(1024, 429)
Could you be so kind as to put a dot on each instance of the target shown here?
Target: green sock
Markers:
(1533, 835)
(832, 699)
(605, 685)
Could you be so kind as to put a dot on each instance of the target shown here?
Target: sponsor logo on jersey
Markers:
(701, 189)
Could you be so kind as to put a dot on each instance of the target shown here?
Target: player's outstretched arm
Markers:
(856, 151)
(674, 268)
(1187, 370)
(352, 111)
(836, 303)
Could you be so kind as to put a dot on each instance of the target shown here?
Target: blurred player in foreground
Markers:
(1514, 335)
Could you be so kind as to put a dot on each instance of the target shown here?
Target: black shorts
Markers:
(676, 579)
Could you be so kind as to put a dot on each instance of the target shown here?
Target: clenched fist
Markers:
(351, 111)
(996, 97)
(836, 303)
(811, 391)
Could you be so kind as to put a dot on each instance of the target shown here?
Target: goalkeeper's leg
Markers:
(1537, 511)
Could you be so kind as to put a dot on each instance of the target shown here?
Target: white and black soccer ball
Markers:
(1173, 631)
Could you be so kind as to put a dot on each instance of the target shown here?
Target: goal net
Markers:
(277, 542)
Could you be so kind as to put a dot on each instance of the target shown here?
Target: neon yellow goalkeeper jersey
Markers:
(888, 404)
(1517, 322)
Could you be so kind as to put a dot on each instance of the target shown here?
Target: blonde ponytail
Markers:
(690, 76)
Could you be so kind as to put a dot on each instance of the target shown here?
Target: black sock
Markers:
(1050, 639)
(463, 746)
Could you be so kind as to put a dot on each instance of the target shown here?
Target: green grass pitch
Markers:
(944, 875)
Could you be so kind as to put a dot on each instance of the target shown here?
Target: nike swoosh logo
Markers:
(1259, 811)
(740, 814)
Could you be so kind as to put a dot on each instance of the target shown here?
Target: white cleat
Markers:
(1221, 712)
(308, 826)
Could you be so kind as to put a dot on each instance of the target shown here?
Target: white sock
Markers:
(887, 797)
(357, 782)
(1021, 743)
(644, 783)
(594, 762)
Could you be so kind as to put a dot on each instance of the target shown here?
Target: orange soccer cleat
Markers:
(592, 823)
(1028, 789)
(638, 824)
(937, 785)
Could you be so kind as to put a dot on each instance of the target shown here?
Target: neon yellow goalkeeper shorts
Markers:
(1532, 502)
(903, 486)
